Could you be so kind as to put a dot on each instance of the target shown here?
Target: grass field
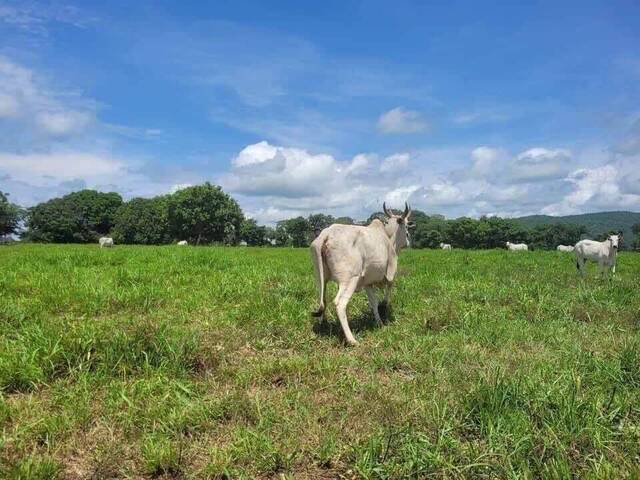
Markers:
(170, 362)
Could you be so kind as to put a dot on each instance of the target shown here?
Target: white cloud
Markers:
(485, 160)
(8, 106)
(488, 115)
(539, 163)
(594, 189)
(179, 186)
(399, 120)
(63, 123)
(395, 163)
(48, 168)
(293, 180)
(32, 106)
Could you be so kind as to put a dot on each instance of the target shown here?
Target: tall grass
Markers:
(205, 363)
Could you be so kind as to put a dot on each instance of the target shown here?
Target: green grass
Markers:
(167, 362)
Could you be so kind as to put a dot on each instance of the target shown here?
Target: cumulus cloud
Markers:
(539, 163)
(398, 162)
(594, 189)
(400, 120)
(273, 180)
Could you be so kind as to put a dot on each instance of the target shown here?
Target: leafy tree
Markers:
(635, 228)
(293, 231)
(252, 233)
(10, 216)
(318, 222)
(78, 217)
(269, 235)
(204, 214)
(379, 215)
(281, 235)
(424, 236)
(344, 221)
(143, 221)
(494, 232)
(462, 232)
(549, 236)
(429, 230)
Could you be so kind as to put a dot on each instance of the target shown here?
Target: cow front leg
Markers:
(373, 303)
(345, 291)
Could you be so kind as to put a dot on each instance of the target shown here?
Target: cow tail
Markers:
(317, 246)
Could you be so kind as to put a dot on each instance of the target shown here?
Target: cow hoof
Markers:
(352, 343)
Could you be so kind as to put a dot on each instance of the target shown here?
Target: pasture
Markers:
(167, 362)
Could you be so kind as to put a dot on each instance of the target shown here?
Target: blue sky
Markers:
(462, 108)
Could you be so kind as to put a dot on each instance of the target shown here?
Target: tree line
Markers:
(205, 214)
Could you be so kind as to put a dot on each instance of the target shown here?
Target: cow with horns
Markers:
(358, 257)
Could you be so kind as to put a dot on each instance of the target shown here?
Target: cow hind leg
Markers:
(345, 291)
(373, 303)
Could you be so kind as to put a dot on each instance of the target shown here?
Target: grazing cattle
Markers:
(183, 243)
(604, 253)
(106, 242)
(357, 257)
(445, 246)
(565, 248)
(517, 247)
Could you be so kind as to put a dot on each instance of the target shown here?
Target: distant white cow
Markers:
(357, 257)
(565, 248)
(516, 247)
(604, 253)
(183, 243)
(445, 246)
(106, 242)
(242, 243)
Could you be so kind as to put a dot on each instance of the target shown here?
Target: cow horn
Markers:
(386, 210)
(407, 210)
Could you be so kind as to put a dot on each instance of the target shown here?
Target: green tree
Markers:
(379, 215)
(429, 230)
(293, 231)
(204, 214)
(143, 221)
(463, 232)
(549, 236)
(635, 228)
(78, 217)
(318, 222)
(345, 221)
(494, 232)
(10, 216)
(252, 233)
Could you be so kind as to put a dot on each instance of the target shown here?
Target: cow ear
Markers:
(392, 264)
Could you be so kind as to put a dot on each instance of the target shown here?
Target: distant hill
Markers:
(596, 223)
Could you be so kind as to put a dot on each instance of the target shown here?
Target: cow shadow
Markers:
(359, 322)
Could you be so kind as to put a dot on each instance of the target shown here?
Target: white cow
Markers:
(516, 247)
(183, 243)
(565, 248)
(357, 257)
(106, 242)
(445, 246)
(604, 253)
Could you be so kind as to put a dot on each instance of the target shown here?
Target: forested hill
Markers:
(596, 223)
